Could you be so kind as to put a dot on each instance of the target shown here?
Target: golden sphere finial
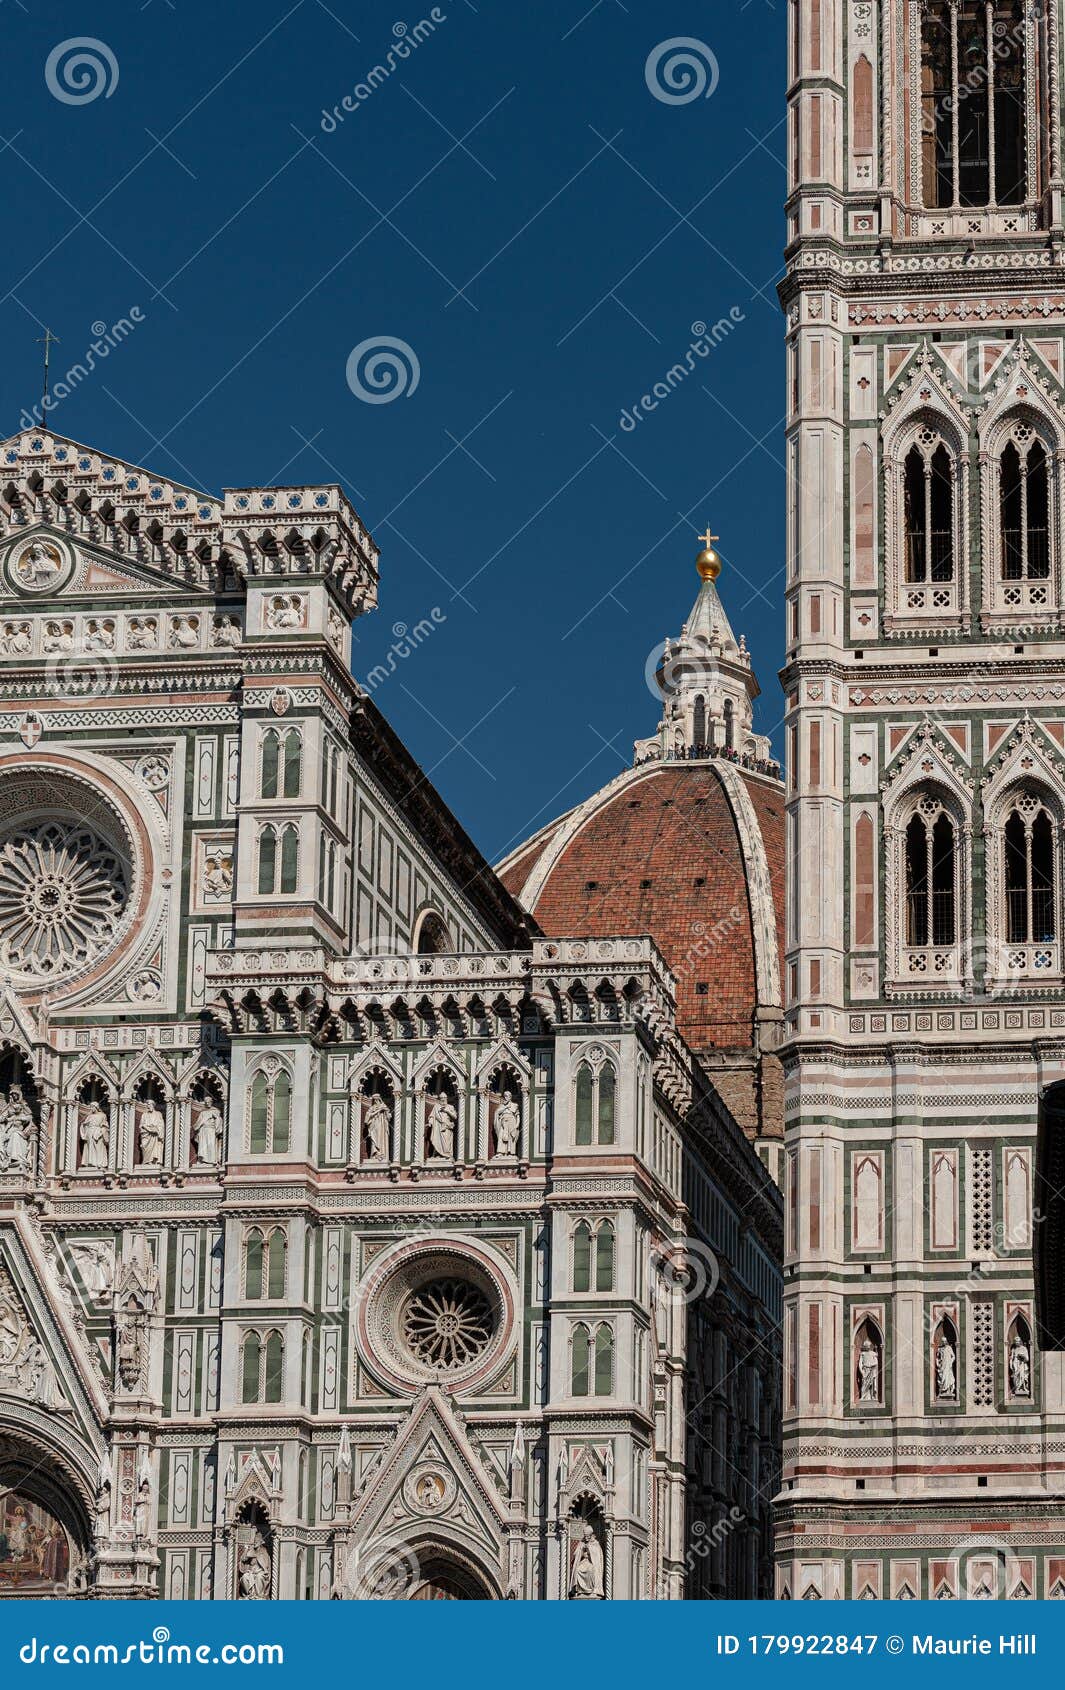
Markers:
(708, 563)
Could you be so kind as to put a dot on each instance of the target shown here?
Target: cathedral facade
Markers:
(363, 1232)
(925, 969)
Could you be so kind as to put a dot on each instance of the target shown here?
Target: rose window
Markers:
(63, 891)
(447, 1324)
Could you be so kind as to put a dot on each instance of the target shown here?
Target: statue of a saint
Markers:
(151, 1131)
(16, 1133)
(377, 1123)
(255, 1572)
(508, 1126)
(868, 1372)
(442, 1124)
(38, 565)
(1020, 1367)
(208, 1133)
(946, 1374)
(226, 632)
(39, 1376)
(586, 1572)
(95, 1133)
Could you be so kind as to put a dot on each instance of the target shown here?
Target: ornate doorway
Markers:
(442, 1580)
(43, 1527)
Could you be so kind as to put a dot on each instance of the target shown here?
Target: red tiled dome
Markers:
(691, 853)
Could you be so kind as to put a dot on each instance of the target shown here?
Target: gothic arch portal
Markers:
(45, 1518)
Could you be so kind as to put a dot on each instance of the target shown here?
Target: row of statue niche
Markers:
(441, 1126)
(1019, 1366)
(94, 1132)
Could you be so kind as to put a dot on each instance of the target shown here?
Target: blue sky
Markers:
(514, 204)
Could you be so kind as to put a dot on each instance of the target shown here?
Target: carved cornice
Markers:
(174, 532)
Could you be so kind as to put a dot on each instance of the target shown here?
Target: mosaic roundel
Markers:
(37, 566)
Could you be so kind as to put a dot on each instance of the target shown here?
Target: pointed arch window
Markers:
(595, 1104)
(582, 1257)
(975, 80)
(251, 1366)
(928, 499)
(267, 860)
(581, 1362)
(270, 1114)
(1024, 507)
(253, 1266)
(699, 722)
(1029, 844)
(290, 853)
(604, 1361)
(593, 1256)
(282, 761)
(275, 1367)
(275, 1264)
(931, 876)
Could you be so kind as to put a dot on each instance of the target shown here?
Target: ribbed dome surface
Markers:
(691, 853)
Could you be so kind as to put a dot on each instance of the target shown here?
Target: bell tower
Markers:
(925, 971)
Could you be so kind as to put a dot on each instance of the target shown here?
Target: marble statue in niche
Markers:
(207, 1133)
(254, 1568)
(94, 1133)
(1020, 1367)
(441, 1127)
(151, 1132)
(868, 1371)
(946, 1370)
(586, 1565)
(377, 1126)
(16, 1133)
(507, 1126)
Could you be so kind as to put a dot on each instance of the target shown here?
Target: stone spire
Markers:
(707, 683)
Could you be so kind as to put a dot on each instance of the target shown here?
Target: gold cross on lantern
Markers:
(708, 538)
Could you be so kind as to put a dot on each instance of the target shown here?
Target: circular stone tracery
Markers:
(440, 1312)
(62, 893)
(447, 1324)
